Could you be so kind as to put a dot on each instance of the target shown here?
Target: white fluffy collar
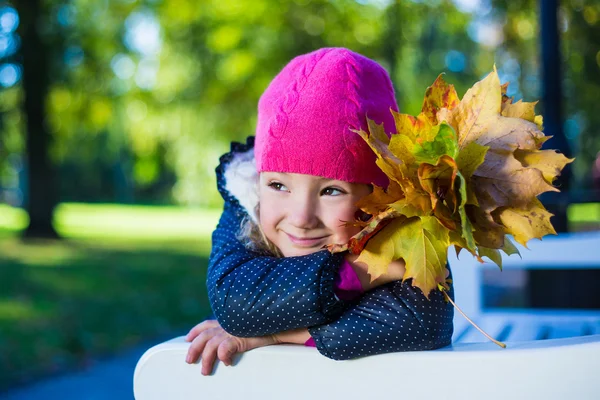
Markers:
(241, 181)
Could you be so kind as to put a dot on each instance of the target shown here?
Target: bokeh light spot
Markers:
(123, 66)
(145, 171)
(142, 33)
(66, 15)
(488, 33)
(145, 76)
(572, 128)
(455, 61)
(60, 99)
(10, 74)
(9, 19)
(137, 110)
(364, 33)
(101, 112)
(236, 67)
(525, 29)
(576, 62)
(73, 56)
(590, 15)
(314, 25)
(9, 44)
(225, 38)
(467, 6)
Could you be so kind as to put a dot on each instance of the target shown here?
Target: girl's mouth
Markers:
(306, 241)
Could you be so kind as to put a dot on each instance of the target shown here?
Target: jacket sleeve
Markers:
(254, 295)
(391, 318)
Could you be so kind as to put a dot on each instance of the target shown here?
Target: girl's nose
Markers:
(303, 213)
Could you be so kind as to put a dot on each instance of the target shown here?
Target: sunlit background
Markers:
(143, 96)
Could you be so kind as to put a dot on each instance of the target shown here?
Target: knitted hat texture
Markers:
(306, 113)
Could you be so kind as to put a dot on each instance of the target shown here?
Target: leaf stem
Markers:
(472, 323)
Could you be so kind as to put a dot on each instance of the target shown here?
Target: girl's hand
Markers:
(209, 341)
(394, 272)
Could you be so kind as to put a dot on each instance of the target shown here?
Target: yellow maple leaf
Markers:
(539, 121)
(391, 165)
(479, 107)
(478, 118)
(501, 180)
(509, 134)
(416, 202)
(423, 244)
(470, 158)
(526, 223)
(411, 127)
(380, 199)
(439, 95)
(402, 147)
(549, 162)
(520, 109)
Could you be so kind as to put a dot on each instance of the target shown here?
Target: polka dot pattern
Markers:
(253, 295)
(391, 318)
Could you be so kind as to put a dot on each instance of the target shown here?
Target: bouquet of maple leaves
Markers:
(463, 172)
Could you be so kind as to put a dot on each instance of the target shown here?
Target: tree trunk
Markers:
(41, 193)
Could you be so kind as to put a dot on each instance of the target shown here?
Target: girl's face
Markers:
(301, 213)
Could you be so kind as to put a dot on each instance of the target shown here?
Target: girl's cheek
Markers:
(343, 214)
(269, 206)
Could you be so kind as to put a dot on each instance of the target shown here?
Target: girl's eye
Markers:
(331, 191)
(277, 186)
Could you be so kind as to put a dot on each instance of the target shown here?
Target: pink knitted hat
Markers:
(306, 113)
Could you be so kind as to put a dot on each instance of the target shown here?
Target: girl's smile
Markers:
(306, 241)
(301, 213)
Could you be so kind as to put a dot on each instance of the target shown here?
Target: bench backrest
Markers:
(579, 250)
(548, 369)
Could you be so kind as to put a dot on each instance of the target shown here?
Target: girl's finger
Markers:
(209, 355)
(202, 326)
(227, 349)
(197, 346)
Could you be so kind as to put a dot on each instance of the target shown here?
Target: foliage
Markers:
(464, 173)
(146, 95)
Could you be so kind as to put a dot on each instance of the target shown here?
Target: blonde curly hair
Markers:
(253, 237)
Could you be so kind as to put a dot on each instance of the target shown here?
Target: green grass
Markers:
(123, 276)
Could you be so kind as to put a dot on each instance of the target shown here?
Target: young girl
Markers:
(288, 194)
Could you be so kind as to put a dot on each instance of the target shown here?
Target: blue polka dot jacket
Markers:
(254, 295)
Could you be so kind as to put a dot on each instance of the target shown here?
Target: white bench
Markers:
(565, 367)
(566, 251)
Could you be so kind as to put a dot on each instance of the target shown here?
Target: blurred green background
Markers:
(137, 99)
